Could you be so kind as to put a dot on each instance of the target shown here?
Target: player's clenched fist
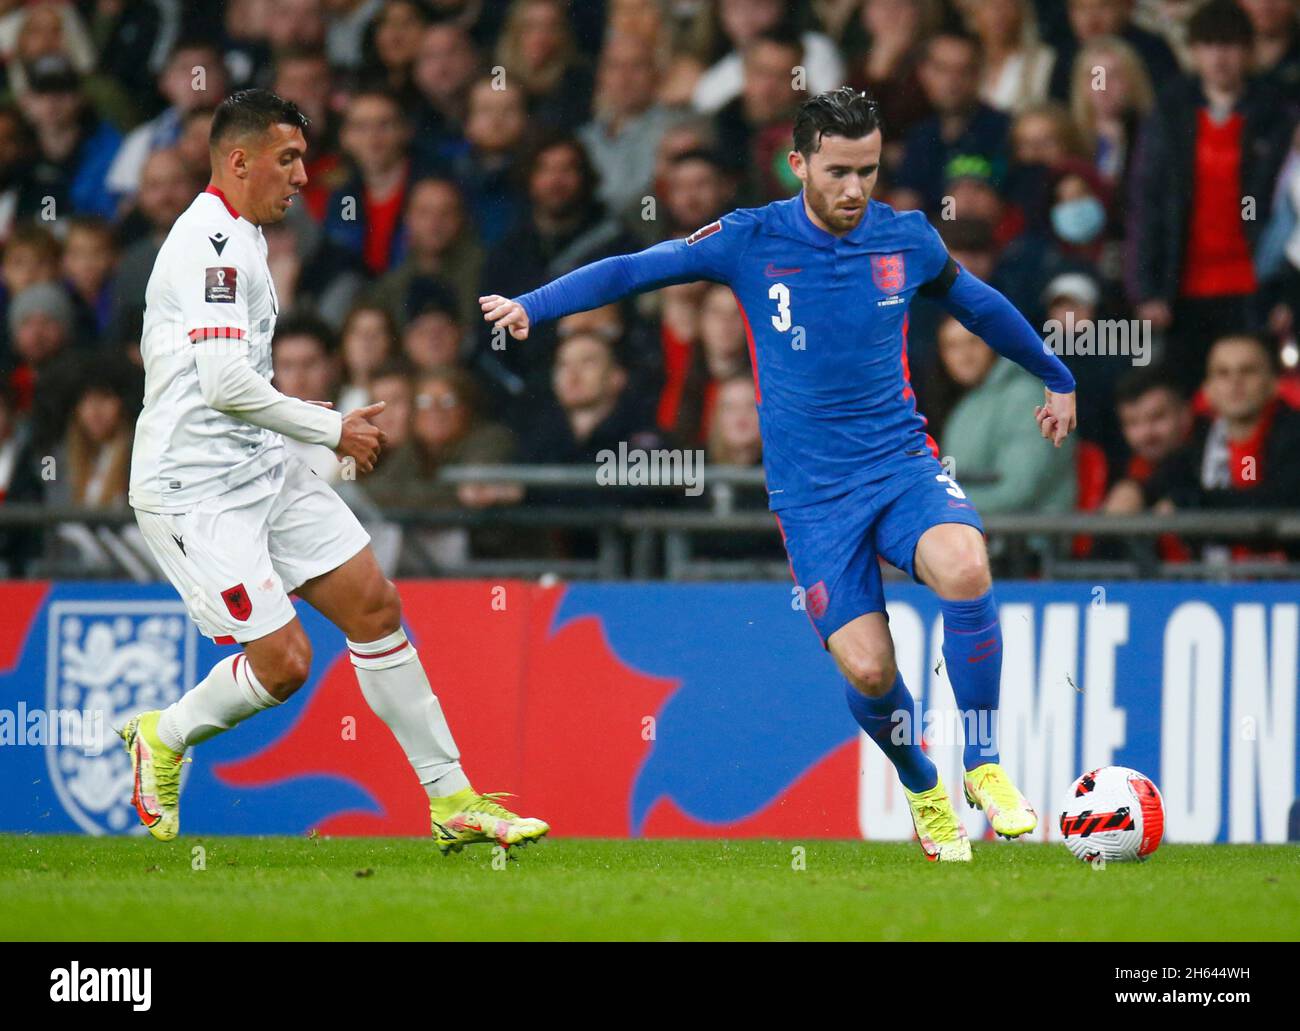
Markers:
(1056, 416)
(501, 311)
(361, 439)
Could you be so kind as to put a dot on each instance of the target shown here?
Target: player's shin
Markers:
(972, 654)
(891, 722)
(228, 695)
(395, 686)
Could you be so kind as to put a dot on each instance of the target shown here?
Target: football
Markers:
(1113, 814)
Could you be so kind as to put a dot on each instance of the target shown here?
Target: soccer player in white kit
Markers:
(237, 523)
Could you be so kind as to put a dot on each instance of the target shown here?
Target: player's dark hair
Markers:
(839, 112)
(1140, 381)
(1220, 21)
(252, 112)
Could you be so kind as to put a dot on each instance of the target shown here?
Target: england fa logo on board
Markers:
(111, 660)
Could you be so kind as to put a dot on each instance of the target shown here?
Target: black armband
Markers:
(941, 283)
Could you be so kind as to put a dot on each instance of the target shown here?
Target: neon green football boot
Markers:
(155, 776)
(1009, 812)
(942, 837)
(467, 817)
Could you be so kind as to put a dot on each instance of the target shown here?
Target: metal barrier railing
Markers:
(633, 534)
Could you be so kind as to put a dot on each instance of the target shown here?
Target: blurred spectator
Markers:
(697, 189)
(753, 131)
(721, 352)
(566, 227)
(30, 257)
(394, 41)
(194, 76)
(538, 52)
(310, 271)
(447, 428)
(889, 65)
(1190, 264)
(166, 190)
(75, 146)
(623, 138)
(44, 373)
(302, 356)
(962, 124)
(1092, 20)
(1044, 134)
(1156, 421)
(346, 24)
(1248, 456)
(21, 196)
(446, 66)
(1017, 65)
(1108, 118)
(304, 76)
(743, 22)
(89, 262)
(55, 30)
(94, 457)
(592, 411)
(1073, 242)
(485, 165)
(192, 143)
(393, 383)
(367, 341)
(984, 438)
(1277, 42)
(431, 337)
(733, 435)
(440, 246)
(364, 214)
(1074, 303)
(296, 23)
(244, 45)
(132, 41)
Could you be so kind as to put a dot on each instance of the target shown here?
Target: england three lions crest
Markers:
(888, 272)
(106, 662)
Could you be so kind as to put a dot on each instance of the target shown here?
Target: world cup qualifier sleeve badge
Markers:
(220, 284)
(888, 272)
(106, 661)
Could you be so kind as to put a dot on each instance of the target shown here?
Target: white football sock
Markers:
(396, 688)
(229, 694)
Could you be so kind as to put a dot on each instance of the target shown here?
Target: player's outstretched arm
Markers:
(989, 315)
(608, 280)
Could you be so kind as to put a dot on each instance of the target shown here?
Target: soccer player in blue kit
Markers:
(823, 281)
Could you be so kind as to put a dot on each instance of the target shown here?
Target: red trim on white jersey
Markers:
(216, 333)
(222, 197)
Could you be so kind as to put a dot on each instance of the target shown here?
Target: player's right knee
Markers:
(870, 674)
(288, 670)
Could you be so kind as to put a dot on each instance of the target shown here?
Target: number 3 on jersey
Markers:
(780, 293)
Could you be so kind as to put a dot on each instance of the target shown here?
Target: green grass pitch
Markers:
(81, 888)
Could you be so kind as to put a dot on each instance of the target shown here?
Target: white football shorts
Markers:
(237, 557)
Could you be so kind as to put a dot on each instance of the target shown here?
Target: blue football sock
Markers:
(879, 716)
(972, 652)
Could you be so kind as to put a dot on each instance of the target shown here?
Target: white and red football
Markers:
(1114, 814)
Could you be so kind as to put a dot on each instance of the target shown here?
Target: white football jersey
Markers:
(210, 287)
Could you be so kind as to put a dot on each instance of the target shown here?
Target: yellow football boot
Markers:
(1009, 812)
(943, 838)
(468, 817)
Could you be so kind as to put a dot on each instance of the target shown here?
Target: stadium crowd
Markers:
(1126, 169)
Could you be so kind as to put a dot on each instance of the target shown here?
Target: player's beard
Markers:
(838, 221)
